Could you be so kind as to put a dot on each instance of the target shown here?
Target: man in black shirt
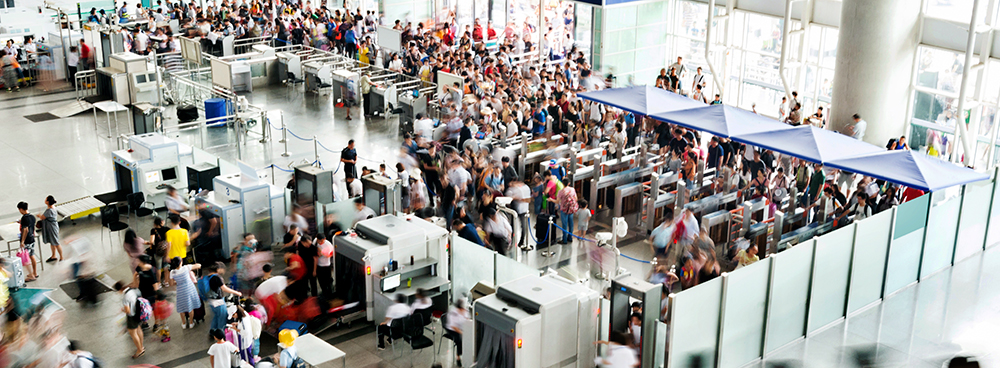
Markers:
(715, 153)
(27, 228)
(310, 256)
(349, 157)
(429, 166)
(662, 132)
(508, 173)
(678, 144)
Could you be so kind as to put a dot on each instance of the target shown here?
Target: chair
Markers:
(413, 332)
(136, 202)
(110, 220)
(444, 323)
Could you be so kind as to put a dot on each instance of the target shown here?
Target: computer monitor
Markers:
(152, 177)
(140, 78)
(391, 282)
(169, 174)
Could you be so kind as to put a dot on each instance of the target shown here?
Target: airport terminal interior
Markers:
(502, 184)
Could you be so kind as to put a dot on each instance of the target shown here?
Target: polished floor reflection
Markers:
(956, 311)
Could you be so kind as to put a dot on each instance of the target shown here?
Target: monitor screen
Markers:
(169, 174)
(140, 78)
(391, 282)
(152, 177)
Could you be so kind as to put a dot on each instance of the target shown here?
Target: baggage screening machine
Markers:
(382, 194)
(390, 255)
(151, 163)
(313, 184)
(535, 322)
(115, 81)
(625, 290)
(246, 204)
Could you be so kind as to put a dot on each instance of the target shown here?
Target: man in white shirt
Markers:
(421, 302)
(424, 127)
(324, 269)
(79, 358)
(362, 212)
(521, 195)
(393, 314)
(857, 131)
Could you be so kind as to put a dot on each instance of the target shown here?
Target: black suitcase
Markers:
(544, 235)
(186, 113)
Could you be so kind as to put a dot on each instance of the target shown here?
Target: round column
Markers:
(875, 50)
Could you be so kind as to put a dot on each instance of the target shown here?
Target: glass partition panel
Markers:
(830, 276)
(786, 318)
(743, 314)
(907, 239)
(694, 324)
(993, 229)
(868, 265)
(975, 213)
(509, 269)
(471, 264)
(939, 244)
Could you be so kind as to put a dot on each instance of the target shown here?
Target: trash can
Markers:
(215, 108)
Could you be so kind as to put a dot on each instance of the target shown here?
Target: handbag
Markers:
(24, 256)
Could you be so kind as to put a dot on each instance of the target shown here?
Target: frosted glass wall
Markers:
(976, 203)
(907, 240)
(786, 319)
(743, 314)
(868, 267)
(694, 324)
(471, 264)
(828, 298)
(939, 244)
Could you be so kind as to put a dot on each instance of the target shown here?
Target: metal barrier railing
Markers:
(85, 84)
(245, 45)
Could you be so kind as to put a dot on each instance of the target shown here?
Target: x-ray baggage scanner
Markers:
(151, 163)
(536, 322)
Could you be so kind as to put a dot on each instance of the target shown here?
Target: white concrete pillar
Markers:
(875, 53)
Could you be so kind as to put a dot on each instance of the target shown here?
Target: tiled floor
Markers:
(68, 158)
(951, 312)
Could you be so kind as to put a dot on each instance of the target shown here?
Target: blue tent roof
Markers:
(810, 143)
(641, 100)
(910, 168)
(721, 120)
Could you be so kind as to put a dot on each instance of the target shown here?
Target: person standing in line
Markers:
(366, 87)
(310, 257)
(187, 299)
(130, 304)
(324, 265)
(178, 238)
(27, 229)
(221, 351)
(50, 229)
(349, 157)
(567, 209)
(214, 295)
(72, 60)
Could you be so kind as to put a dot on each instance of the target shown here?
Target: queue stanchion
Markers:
(315, 149)
(284, 137)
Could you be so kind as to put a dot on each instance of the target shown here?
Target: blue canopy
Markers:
(721, 120)
(641, 100)
(810, 143)
(910, 168)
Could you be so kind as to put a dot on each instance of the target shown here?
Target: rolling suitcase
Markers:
(16, 278)
(198, 315)
(543, 235)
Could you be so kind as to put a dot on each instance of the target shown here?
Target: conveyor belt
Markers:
(79, 207)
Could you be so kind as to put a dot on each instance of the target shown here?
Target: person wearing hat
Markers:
(557, 170)
(289, 355)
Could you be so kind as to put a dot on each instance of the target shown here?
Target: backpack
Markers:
(96, 362)
(203, 287)
(144, 309)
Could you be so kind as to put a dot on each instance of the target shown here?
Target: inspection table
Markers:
(109, 107)
(315, 351)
